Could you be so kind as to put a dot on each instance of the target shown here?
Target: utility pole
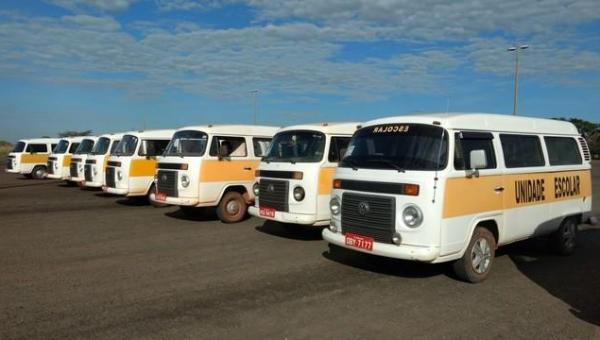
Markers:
(254, 99)
(516, 49)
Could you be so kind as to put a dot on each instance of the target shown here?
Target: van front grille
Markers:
(50, 167)
(368, 215)
(9, 164)
(88, 173)
(73, 169)
(167, 183)
(110, 177)
(274, 194)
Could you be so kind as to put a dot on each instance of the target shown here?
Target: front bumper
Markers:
(55, 176)
(176, 200)
(115, 191)
(286, 217)
(12, 171)
(93, 184)
(403, 252)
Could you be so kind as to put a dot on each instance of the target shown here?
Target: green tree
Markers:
(69, 133)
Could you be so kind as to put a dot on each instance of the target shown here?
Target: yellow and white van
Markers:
(294, 178)
(77, 166)
(452, 187)
(96, 161)
(131, 167)
(29, 157)
(59, 161)
(214, 165)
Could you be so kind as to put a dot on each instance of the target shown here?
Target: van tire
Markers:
(39, 172)
(154, 203)
(232, 207)
(483, 247)
(564, 240)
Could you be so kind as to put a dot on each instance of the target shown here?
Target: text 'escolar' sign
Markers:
(567, 186)
(391, 129)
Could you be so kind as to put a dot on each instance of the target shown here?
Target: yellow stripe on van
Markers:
(466, 196)
(67, 160)
(105, 161)
(326, 180)
(228, 170)
(34, 158)
(142, 167)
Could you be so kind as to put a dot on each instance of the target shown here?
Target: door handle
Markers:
(247, 168)
(498, 188)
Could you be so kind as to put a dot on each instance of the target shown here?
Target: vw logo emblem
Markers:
(164, 178)
(363, 208)
(271, 188)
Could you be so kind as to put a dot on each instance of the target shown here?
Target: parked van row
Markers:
(432, 188)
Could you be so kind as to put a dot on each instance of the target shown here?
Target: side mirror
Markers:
(477, 160)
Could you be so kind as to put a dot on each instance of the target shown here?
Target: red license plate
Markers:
(104, 188)
(160, 196)
(266, 212)
(358, 241)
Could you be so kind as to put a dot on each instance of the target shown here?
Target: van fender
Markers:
(234, 187)
(475, 221)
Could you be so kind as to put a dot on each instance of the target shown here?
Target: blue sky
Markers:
(115, 65)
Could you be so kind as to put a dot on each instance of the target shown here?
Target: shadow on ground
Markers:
(573, 279)
(385, 265)
(291, 231)
(198, 214)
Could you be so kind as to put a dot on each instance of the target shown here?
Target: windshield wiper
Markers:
(351, 162)
(390, 163)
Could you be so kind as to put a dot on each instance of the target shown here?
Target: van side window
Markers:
(562, 150)
(261, 145)
(113, 147)
(337, 148)
(521, 151)
(73, 147)
(465, 142)
(153, 147)
(229, 146)
(37, 148)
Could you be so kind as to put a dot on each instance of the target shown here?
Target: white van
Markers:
(77, 167)
(452, 187)
(96, 161)
(294, 178)
(214, 165)
(59, 161)
(29, 157)
(131, 167)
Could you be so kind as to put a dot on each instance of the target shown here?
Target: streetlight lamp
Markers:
(254, 95)
(516, 49)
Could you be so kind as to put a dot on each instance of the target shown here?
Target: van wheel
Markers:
(154, 203)
(476, 263)
(39, 172)
(564, 240)
(232, 207)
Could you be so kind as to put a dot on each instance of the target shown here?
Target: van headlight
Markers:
(412, 216)
(185, 181)
(95, 171)
(119, 175)
(256, 189)
(80, 167)
(335, 206)
(55, 166)
(299, 193)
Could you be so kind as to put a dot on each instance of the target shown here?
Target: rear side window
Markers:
(73, 147)
(337, 148)
(261, 146)
(465, 142)
(153, 147)
(562, 151)
(521, 151)
(229, 146)
(37, 148)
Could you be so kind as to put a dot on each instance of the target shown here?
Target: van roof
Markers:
(116, 135)
(484, 121)
(40, 140)
(165, 133)
(344, 128)
(240, 129)
(76, 139)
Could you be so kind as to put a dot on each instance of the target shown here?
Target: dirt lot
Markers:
(80, 264)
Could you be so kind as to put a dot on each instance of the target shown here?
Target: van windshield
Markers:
(85, 147)
(101, 146)
(19, 147)
(400, 147)
(296, 146)
(126, 146)
(187, 143)
(61, 147)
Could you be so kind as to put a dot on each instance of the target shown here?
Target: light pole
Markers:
(516, 49)
(254, 95)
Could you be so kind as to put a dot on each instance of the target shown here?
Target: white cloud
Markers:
(186, 5)
(105, 5)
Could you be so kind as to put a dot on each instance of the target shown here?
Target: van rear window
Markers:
(521, 151)
(562, 150)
